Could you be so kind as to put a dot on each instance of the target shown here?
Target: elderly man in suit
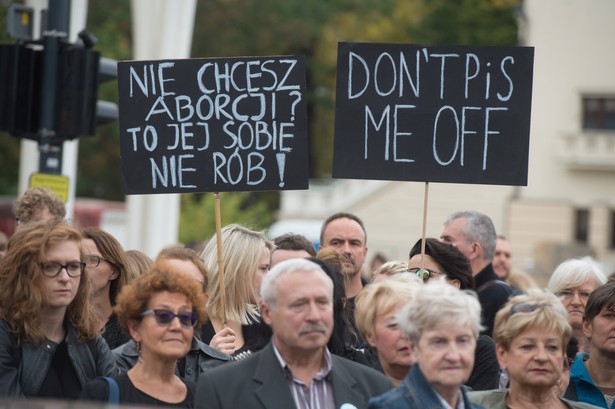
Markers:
(295, 370)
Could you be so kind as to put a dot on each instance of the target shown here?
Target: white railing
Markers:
(588, 150)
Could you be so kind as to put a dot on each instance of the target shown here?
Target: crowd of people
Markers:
(261, 323)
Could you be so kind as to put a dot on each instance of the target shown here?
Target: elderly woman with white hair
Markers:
(442, 324)
(573, 281)
(531, 333)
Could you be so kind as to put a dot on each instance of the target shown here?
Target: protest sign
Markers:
(458, 114)
(213, 125)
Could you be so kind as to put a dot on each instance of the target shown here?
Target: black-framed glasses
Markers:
(93, 261)
(165, 317)
(51, 269)
(424, 274)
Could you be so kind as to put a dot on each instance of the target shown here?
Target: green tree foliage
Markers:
(99, 156)
(198, 218)
(274, 27)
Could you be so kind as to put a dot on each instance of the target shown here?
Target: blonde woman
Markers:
(531, 333)
(376, 309)
(235, 326)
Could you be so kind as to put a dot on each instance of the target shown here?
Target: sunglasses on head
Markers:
(164, 317)
(525, 307)
(424, 274)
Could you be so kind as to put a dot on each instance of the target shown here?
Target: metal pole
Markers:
(58, 16)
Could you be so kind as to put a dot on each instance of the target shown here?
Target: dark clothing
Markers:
(255, 335)
(414, 392)
(113, 333)
(23, 369)
(486, 372)
(98, 390)
(259, 382)
(492, 295)
(61, 380)
(200, 358)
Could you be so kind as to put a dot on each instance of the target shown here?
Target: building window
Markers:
(581, 225)
(599, 113)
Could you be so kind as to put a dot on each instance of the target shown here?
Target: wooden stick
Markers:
(220, 260)
(425, 200)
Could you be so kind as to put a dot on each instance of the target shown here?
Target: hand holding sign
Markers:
(213, 125)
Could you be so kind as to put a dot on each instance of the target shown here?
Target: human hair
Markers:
(161, 277)
(391, 267)
(478, 228)
(535, 309)
(602, 297)
(138, 263)
(341, 215)
(336, 342)
(21, 297)
(185, 254)
(380, 298)
(521, 280)
(453, 262)
(438, 304)
(291, 241)
(113, 253)
(3, 241)
(241, 250)
(575, 272)
(33, 200)
(269, 290)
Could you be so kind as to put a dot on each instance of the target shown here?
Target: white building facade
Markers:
(568, 208)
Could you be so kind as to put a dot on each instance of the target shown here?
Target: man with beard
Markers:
(345, 233)
(296, 368)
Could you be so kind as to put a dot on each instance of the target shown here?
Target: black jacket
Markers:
(23, 368)
(492, 295)
(200, 358)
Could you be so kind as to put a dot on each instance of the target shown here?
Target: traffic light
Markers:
(20, 84)
(106, 111)
(77, 110)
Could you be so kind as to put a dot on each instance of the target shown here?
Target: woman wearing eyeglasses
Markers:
(531, 333)
(106, 268)
(49, 343)
(573, 281)
(161, 310)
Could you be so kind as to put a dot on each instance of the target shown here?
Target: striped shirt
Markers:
(317, 396)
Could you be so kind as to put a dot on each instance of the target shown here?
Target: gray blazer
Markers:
(258, 382)
(495, 399)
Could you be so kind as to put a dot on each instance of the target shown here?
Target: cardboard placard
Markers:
(458, 114)
(213, 125)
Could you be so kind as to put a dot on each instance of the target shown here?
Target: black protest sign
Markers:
(457, 114)
(213, 125)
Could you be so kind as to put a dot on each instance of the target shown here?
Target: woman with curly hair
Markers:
(49, 342)
(161, 310)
